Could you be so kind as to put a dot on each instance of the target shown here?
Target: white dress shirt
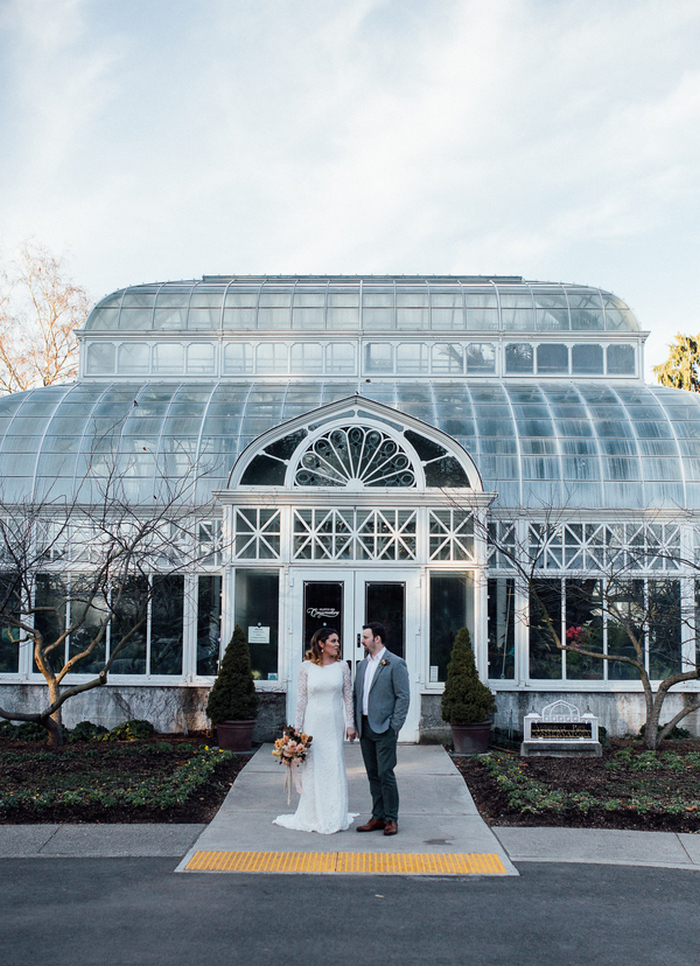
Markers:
(370, 670)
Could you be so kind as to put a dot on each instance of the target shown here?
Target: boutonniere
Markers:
(383, 663)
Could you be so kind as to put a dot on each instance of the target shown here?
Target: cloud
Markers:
(551, 139)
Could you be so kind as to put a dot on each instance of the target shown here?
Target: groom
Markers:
(381, 706)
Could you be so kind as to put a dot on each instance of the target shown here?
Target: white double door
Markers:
(345, 599)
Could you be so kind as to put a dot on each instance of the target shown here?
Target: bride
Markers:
(324, 687)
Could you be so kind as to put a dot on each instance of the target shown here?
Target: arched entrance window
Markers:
(351, 513)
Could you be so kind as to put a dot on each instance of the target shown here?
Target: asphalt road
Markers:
(119, 912)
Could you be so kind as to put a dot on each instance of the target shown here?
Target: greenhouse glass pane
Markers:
(378, 298)
(552, 358)
(203, 318)
(240, 318)
(378, 318)
(407, 318)
(481, 357)
(478, 318)
(451, 608)
(133, 357)
(308, 299)
(587, 359)
(584, 629)
(307, 357)
(101, 358)
(481, 299)
(237, 297)
(545, 607)
(136, 319)
(344, 298)
(379, 357)
(169, 318)
(412, 357)
(452, 318)
(238, 357)
(519, 357)
(446, 299)
(501, 628)
(308, 318)
(168, 357)
(621, 360)
(552, 319)
(340, 357)
(166, 624)
(208, 624)
(272, 357)
(519, 300)
(448, 358)
(582, 319)
(275, 299)
(517, 319)
(91, 609)
(342, 318)
(274, 318)
(200, 357)
(585, 299)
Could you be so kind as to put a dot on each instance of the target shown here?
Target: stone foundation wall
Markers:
(620, 714)
(169, 709)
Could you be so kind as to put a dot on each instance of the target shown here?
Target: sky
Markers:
(559, 140)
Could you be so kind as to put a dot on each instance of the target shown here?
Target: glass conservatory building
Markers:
(369, 448)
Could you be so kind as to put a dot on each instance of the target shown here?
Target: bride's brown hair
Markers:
(314, 653)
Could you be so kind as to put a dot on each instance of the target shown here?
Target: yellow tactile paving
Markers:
(370, 863)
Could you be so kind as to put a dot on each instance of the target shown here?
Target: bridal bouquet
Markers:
(291, 750)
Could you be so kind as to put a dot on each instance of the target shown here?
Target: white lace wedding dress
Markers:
(323, 805)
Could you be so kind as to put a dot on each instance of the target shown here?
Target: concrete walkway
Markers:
(438, 820)
(437, 815)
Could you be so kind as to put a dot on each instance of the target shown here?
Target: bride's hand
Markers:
(351, 734)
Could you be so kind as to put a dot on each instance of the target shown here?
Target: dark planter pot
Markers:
(472, 739)
(235, 735)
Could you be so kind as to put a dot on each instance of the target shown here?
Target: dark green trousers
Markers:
(379, 755)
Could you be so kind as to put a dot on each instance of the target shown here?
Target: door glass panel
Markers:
(451, 608)
(257, 614)
(386, 603)
(323, 607)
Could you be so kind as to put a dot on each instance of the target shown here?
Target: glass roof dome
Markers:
(230, 303)
(582, 445)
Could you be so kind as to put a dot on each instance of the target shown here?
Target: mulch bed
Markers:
(102, 762)
(590, 775)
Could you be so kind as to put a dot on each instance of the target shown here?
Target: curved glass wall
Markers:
(587, 445)
(372, 303)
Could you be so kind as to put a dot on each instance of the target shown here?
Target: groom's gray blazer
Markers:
(388, 696)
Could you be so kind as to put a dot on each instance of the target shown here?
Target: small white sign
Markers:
(433, 673)
(258, 635)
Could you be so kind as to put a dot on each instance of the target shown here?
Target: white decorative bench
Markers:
(561, 731)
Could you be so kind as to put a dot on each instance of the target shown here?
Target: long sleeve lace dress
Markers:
(323, 805)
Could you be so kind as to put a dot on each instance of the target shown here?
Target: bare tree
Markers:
(118, 556)
(40, 307)
(622, 608)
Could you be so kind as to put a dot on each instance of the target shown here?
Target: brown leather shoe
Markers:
(391, 828)
(374, 825)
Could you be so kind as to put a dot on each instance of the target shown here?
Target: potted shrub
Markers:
(233, 701)
(467, 704)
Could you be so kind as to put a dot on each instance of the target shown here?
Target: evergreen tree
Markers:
(233, 696)
(465, 699)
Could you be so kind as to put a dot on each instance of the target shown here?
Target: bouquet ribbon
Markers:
(292, 777)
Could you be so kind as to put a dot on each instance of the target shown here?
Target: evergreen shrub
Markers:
(233, 696)
(465, 699)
